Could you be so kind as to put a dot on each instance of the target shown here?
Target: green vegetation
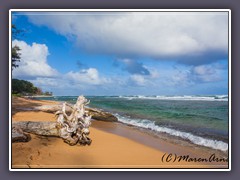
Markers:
(26, 88)
(16, 55)
(23, 87)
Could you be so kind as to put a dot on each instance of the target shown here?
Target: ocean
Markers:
(201, 120)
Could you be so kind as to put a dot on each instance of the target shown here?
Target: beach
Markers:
(114, 145)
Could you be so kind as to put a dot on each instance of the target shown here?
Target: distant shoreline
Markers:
(36, 96)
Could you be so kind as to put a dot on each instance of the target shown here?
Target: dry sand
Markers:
(109, 148)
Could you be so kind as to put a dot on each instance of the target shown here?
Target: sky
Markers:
(124, 53)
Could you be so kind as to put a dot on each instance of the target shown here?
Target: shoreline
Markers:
(213, 137)
(141, 149)
(171, 143)
(37, 96)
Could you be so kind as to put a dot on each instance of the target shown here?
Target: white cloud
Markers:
(83, 81)
(192, 75)
(33, 61)
(180, 78)
(91, 81)
(158, 35)
(46, 82)
(87, 76)
(138, 79)
(144, 79)
(203, 70)
(34, 65)
(206, 73)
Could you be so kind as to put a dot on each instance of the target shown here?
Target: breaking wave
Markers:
(185, 98)
(147, 124)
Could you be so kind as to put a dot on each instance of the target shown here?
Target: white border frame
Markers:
(120, 10)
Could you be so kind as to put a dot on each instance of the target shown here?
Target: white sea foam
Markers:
(144, 123)
(184, 98)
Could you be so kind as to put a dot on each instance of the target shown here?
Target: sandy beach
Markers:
(114, 145)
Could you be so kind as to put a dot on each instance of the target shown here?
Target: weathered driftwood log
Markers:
(38, 128)
(101, 115)
(19, 136)
(73, 128)
(21, 129)
(95, 113)
(52, 108)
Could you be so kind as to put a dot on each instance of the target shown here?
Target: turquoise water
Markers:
(203, 120)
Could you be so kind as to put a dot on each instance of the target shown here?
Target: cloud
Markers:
(72, 83)
(34, 67)
(140, 75)
(134, 67)
(188, 37)
(206, 73)
(46, 82)
(33, 61)
(179, 80)
(144, 80)
(188, 76)
(86, 76)
(138, 80)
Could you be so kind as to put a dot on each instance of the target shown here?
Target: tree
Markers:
(39, 91)
(17, 33)
(16, 55)
(23, 87)
(48, 93)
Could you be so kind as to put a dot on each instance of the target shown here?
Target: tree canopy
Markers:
(23, 87)
(16, 55)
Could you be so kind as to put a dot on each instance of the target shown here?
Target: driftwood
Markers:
(72, 128)
(19, 136)
(101, 115)
(38, 128)
(95, 113)
(53, 108)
